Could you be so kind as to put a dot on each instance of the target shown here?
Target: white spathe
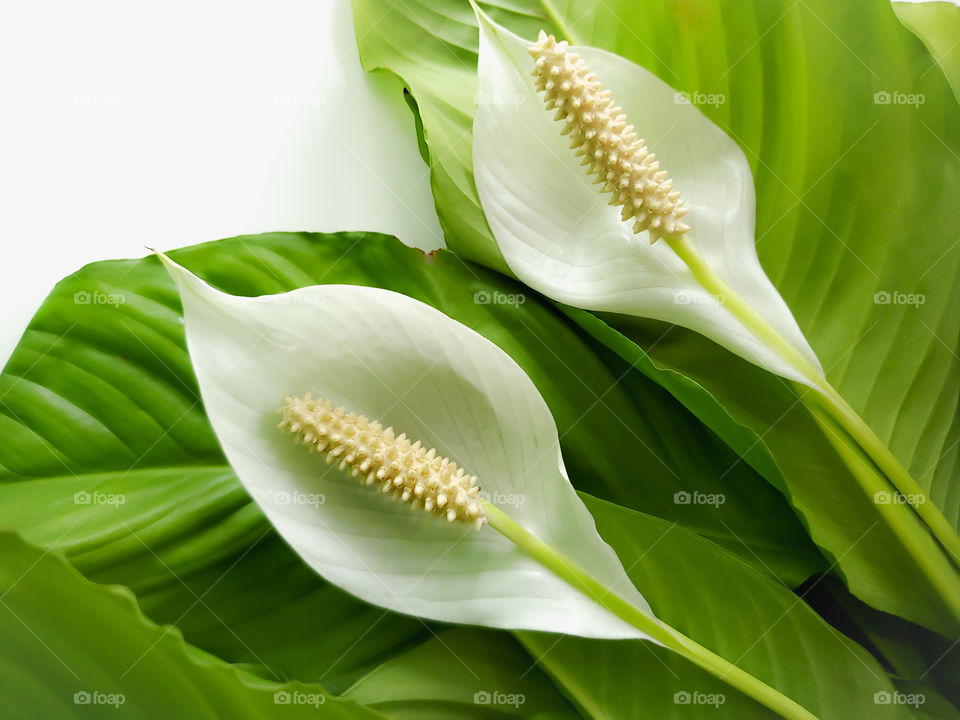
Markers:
(560, 236)
(408, 365)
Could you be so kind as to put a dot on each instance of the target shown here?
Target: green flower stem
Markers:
(832, 401)
(580, 579)
(919, 545)
(875, 448)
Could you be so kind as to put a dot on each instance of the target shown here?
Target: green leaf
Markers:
(827, 160)
(462, 673)
(104, 656)
(912, 654)
(194, 535)
(539, 565)
(925, 703)
(772, 635)
(186, 537)
(95, 389)
(937, 24)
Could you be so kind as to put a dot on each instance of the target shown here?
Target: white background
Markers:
(130, 124)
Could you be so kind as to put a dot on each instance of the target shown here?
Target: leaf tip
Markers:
(162, 256)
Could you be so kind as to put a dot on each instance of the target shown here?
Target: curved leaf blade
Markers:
(937, 25)
(106, 656)
(831, 676)
(185, 521)
(277, 634)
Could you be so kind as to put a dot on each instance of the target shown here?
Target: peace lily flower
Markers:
(584, 212)
(575, 236)
(414, 413)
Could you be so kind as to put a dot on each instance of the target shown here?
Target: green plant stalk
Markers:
(898, 475)
(580, 579)
(832, 401)
(919, 546)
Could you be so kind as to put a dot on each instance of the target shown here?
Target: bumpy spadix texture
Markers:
(609, 146)
(403, 469)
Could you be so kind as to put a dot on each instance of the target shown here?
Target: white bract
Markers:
(559, 234)
(410, 366)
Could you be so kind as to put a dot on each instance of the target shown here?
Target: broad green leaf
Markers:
(262, 606)
(462, 673)
(235, 618)
(625, 439)
(937, 24)
(560, 235)
(185, 527)
(75, 649)
(912, 654)
(772, 633)
(843, 518)
(924, 703)
(794, 85)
